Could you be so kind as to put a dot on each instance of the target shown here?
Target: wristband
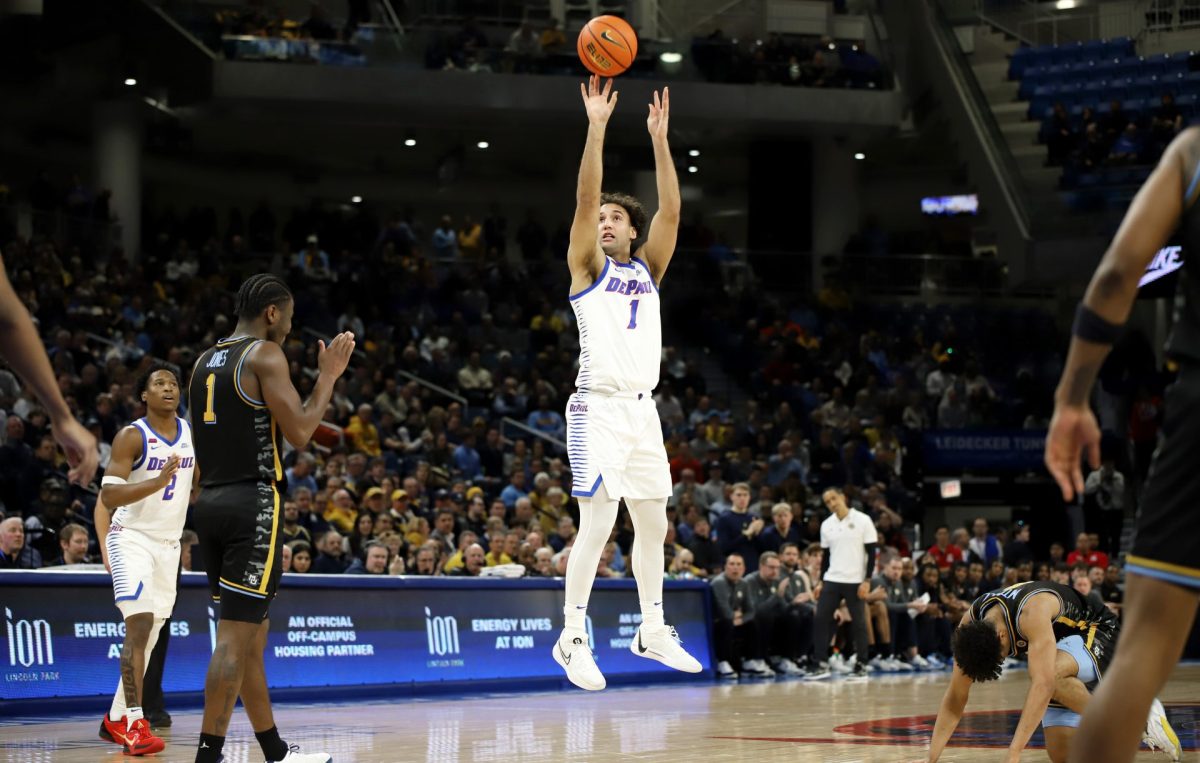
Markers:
(112, 481)
(1090, 327)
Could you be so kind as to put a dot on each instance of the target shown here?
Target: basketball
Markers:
(607, 45)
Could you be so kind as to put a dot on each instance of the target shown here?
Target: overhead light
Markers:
(670, 57)
(860, 156)
(356, 199)
(1065, 5)
(693, 169)
(410, 142)
(130, 81)
(694, 152)
(482, 144)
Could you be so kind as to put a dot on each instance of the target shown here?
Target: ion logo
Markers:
(29, 643)
(442, 634)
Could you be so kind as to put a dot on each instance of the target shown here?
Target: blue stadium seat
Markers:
(1187, 103)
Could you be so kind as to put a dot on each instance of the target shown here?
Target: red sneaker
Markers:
(140, 740)
(113, 731)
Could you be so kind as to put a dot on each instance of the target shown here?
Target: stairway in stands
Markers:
(989, 62)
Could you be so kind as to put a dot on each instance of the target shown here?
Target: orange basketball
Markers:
(607, 45)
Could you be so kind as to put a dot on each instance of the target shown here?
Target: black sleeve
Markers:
(825, 562)
(870, 547)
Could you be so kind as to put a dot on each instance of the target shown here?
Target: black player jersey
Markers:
(1075, 616)
(236, 437)
(1184, 339)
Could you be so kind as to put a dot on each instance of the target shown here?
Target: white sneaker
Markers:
(1159, 734)
(725, 670)
(838, 665)
(920, 663)
(935, 662)
(295, 756)
(784, 665)
(899, 665)
(575, 657)
(757, 667)
(879, 664)
(664, 646)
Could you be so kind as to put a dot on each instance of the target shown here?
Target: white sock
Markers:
(597, 515)
(132, 715)
(119, 709)
(649, 565)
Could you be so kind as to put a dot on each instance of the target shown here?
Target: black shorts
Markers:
(1167, 543)
(240, 542)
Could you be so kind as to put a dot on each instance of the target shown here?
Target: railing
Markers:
(1037, 23)
(511, 422)
(434, 388)
(982, 121)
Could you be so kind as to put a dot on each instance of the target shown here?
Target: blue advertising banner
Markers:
(63, 635)
(996, 449)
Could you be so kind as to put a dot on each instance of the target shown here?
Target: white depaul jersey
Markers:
(160, 515)
(620, 330)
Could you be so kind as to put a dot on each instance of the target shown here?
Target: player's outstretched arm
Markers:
(20, 346)
(664, 228)
(299, 420)
(954, 702)
(584, 256)
(1152, 217)
(1035, 624)
(115, 491)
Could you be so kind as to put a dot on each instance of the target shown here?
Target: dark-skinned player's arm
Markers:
(299, 420)
(115, 492)
(1035, 623)
(1152, 218)
(21, 347)
(664, 228)
(954, 702)
(102, 519)
(584, 256)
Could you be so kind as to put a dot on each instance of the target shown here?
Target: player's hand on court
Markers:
(168, 471)
(1072, 429)
(80, 446)
(597, 102)
(333, 359)
(656, 123)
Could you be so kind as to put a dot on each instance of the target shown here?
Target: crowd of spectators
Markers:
(1114, 138)
(405, 478)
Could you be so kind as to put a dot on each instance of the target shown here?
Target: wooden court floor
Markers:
(882, 719)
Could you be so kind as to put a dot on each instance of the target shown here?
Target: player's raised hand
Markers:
(168, 471)
(1072, 429)
(80, 447)
(660, 109)
(333, 359)
(597, 102)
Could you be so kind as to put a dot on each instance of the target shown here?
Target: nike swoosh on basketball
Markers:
(607, 35)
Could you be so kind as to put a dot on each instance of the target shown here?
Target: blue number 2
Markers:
(632, 314)
(170, 491)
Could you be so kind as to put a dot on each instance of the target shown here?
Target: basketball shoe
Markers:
(573, 654)
(664, 645)
(1159, 734)
(140, 740)
(295, 756)
(113, 731)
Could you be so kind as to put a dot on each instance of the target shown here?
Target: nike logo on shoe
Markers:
(641, 648)
(566, 657)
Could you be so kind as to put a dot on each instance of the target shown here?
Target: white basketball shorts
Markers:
(617, 439)
(144, 571)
